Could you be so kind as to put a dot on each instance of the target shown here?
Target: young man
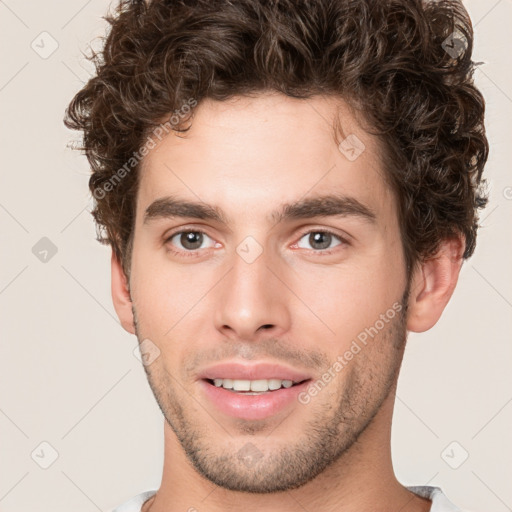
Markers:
(288, 189)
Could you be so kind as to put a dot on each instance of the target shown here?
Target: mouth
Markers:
(252, 399)
(253, 387)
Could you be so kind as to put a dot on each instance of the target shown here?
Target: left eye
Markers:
(322, 239)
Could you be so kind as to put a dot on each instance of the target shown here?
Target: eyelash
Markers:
(192, 254)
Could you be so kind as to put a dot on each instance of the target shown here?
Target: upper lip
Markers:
(255, 371)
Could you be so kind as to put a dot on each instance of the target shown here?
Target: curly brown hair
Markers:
(400, 61)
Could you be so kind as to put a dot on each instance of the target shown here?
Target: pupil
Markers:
(191, 240)
(317, 237)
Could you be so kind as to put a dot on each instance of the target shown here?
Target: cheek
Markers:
(154, 293)
(348, 298)
(167, 296)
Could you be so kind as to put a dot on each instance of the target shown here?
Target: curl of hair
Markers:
(387, 58)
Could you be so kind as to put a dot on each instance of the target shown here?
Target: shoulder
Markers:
(135, 503)
(440, 503)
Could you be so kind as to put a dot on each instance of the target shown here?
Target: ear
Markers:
(432, 285)
(121, 295)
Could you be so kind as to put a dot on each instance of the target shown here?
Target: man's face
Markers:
(250, 288)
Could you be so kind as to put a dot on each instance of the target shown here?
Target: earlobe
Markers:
(432, 285)
(121, 295)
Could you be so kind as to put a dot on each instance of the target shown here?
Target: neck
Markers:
(361, 480)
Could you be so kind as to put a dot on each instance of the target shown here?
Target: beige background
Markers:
(68, 375)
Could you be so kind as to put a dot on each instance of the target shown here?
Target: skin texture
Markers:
(248, 156)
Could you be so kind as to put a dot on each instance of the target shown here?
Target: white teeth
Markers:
(242, 385)
(261, 385)
(274, 384)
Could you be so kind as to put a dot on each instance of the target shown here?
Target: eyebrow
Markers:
(332, 205)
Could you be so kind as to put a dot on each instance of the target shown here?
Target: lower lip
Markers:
(252, 407)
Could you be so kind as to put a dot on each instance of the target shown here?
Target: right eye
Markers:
(190, 241)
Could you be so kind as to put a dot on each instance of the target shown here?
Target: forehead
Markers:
(265, 150)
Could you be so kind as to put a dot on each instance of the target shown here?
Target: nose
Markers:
(253, 300)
